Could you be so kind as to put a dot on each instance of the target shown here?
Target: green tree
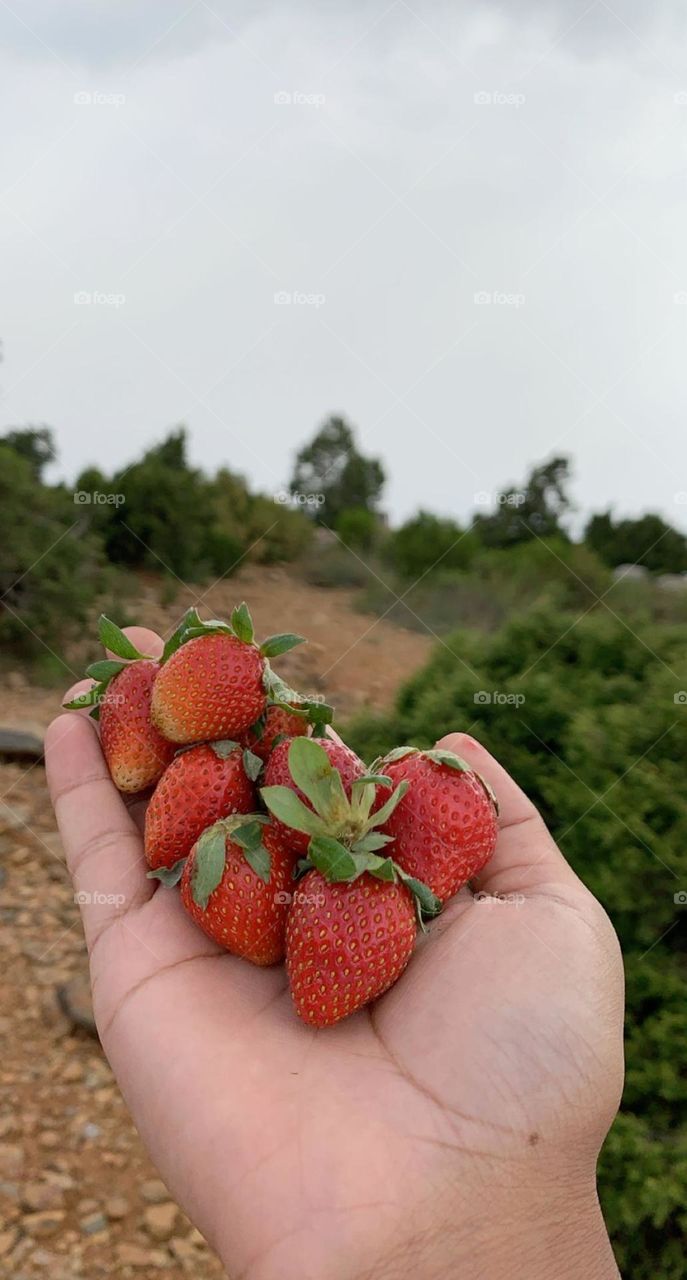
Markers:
(35, 444)
(331, 465)
(647, 540)
(427, 543)
(50, 566)
(535, 510)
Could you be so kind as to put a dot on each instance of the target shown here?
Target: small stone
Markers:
(8, 1239)
(43, 1224)
(44, 1258)
(87, 1206)
(154, 1191)
(72, 1072)
(74, 998)
(91, 1131)
(116, 1208)
(159, 1220)
(38, 1196)
(93, 1223)
(132, 1255)
(12, 1160)
(185, 1253)
(49, 1139)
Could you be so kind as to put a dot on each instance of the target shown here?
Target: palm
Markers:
(283, 1143)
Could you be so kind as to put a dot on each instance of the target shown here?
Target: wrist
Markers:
(557, 1231)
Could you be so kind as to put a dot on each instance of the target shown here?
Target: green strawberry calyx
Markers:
(210, 851)
(192, 626)
(312, 710)
(344, 840)
(105, 670)
(440, 756)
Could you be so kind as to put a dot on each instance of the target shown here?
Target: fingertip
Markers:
(145, 640)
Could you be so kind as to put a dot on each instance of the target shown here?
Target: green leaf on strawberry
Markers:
(105, 669)
(252, 764)
(332, 858)
(274, 646)
(249, 837)
(209, 863)
(242, 624)
(168, 876)
(113, 638)
(289, 809)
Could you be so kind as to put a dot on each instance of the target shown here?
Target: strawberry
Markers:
(213, 681)
(136, 753)
(276, 723)
(237, 885)
(346, 943)
(207, 782)
(444, 828)
(278, 774)
(352, 925)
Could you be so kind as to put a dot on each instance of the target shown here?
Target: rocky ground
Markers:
(78, 1196)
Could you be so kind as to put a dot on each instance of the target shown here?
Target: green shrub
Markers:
(599, 743)
(50, 567)
(427, 543)
(358, 528)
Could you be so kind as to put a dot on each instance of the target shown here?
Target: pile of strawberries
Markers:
(284, 844)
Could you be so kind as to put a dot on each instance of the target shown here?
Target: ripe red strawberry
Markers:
(444, 828)
(211, 687)
(136, 753)
(121, 698)
(202, 784)
(277, 773)
(214, 678)
(276, 722)
(346, 943)
(242, 908)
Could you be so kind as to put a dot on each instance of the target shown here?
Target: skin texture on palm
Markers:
(451, 1129)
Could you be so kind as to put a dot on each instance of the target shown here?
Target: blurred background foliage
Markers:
(591, 631)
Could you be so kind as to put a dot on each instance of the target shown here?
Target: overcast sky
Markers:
(388, 167)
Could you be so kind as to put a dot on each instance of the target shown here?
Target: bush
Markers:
(173, 518)
(358, 528)
(427, 543)
(50, 569)
(599, 744)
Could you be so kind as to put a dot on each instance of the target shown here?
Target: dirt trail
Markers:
(78, 1196)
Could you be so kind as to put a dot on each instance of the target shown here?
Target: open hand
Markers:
(452, 1128)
